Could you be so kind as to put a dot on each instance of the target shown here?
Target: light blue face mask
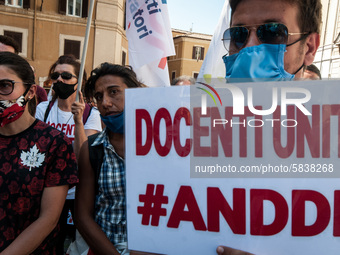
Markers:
(263, 62)
(114, 122)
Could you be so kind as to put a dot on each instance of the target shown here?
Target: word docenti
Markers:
(299, 127)
(186, 209)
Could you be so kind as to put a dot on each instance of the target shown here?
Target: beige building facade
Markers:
(327, 58)
(48, 29)
(191, 49)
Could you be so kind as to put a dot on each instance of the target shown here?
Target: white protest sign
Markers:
(250, 166)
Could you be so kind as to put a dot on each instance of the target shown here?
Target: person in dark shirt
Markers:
(37, 166)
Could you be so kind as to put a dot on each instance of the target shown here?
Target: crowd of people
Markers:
(67, 150)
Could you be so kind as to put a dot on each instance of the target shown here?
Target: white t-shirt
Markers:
(64, 122)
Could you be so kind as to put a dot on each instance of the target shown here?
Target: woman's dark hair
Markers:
(23, 70)
(9, 41)
(19, 66)
(69, 60)
(125, 72)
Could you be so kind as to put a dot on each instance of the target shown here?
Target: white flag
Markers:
(213, 66)
(150, 40)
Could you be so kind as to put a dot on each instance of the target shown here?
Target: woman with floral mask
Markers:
(37, 166)
(76, 119)
(100, 199)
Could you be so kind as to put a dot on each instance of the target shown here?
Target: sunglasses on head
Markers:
(64, 76)
(7, 86)
(235, 38)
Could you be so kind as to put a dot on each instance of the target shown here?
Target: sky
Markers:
(201, 15)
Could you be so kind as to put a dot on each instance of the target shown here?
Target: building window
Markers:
(20, 35)
(14, 3)
(195, 75)
(173, 75)
(72, 47)
(123, 58)
(74, 8)
(70, 44)
(16, 36)
(198, 53)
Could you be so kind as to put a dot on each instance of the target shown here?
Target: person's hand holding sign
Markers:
(224, 250)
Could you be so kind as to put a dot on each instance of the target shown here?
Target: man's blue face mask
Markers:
(264, 62)
(114, 122)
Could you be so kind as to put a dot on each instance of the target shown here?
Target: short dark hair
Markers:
(9, 41)
(309, 16)
(125, 72)
(19, 66)
(314, 69)
(69, 60)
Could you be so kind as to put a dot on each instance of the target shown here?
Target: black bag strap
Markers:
(96, 155)
(49, 106)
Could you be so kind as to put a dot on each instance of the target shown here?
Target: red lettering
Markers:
(198, 132)
(312, 134)
(281, 151)
(63, 127)
(299, 198)
(336, 223)
(222, 133)
(141, 149)
(327, 112)
(162, 114)
(185, 198)
(182, 151)
(243, 134)
(257, 227)
(69, 129)
(235, 217)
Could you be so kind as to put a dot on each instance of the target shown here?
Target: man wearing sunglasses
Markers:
(271, 40)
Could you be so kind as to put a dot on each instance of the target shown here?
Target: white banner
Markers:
(150, 40)
(251, 167)
(213, 66)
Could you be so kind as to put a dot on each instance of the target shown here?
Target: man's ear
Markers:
(312, 45)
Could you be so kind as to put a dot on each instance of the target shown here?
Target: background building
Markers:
(190, 49)
(48, 29)
(327, 58)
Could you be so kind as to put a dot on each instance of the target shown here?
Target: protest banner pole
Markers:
(83, 58)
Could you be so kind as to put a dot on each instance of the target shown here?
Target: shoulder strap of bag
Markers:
(86, 113)
(96, 154)
(48, 108)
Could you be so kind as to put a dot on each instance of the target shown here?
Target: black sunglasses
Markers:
(7, 86)
(64, 76)
(235, 38)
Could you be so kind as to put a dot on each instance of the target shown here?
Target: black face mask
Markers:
(63, 90)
